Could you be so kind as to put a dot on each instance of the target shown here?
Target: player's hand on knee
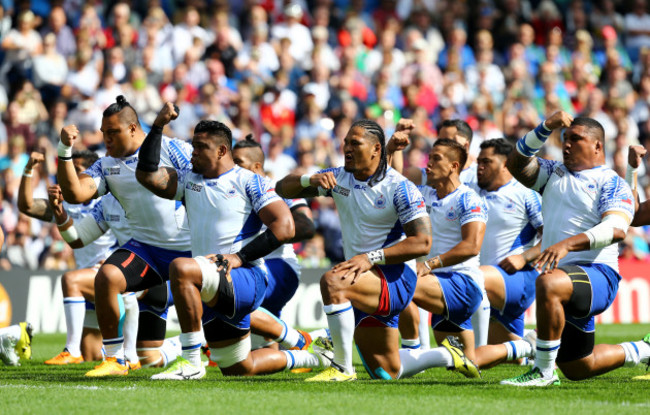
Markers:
(225, 261)
(513, 263)
(353, 267)
(325, 180)
(422, 269)
(549, 259)
(634, 156)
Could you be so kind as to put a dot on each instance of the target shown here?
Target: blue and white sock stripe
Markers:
(412, 347)
(547, 349)
(291, 362)
(74, 301)
(191, 347)
(117, 340)
(284, 332)
(636, 349)
(530, 144)
(514, 348)
(333, 313)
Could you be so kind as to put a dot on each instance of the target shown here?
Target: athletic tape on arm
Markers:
(602, 235)
(88, 230)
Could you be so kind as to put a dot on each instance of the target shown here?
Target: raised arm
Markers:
(35, 208)
(398, 142)
(77, 235)
(634, 156)
(294, 186)
(75, 188)
(522, 163)
(162, 181)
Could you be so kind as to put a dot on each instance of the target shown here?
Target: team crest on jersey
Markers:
(380, 202)
(591, 188)
(510, 206)
(231, 192)
(341, 190)
(194, 187)
(451, 214)
(111, 171)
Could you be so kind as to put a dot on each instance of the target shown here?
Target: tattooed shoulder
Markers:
(418, 226)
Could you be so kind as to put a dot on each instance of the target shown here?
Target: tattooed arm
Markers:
(162, 182)
(416, 244)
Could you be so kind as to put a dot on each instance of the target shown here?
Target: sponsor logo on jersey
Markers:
(194, 187)
(131, 161)
(111, 171)
(559, 172)
(112, 218)
(380, 202)
(360, 187)
(341, 190)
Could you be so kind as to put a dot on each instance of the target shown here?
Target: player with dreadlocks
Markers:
(385, 227)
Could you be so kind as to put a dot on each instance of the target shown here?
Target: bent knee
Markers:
(331, 285)
(109, 276)
(183, 268)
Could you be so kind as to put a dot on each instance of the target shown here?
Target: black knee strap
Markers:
(156, 297)
(226, 303)
(579, 304)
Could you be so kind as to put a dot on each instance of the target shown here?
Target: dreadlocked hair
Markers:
(373, 129)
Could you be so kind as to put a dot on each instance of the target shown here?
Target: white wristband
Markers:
(64, 152)
(631, 177)
(69, 234)
(305, 180)
(25, 174)
(376, 257)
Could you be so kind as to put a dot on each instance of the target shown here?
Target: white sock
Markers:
(546, 355)
(130, 328)
(13, 331)
(411, 343)
(340, 318)
(171, 349)
(325, 333)
(301, 358)
(423, 329)
(290, 337)
(481, 321)
(74, 309)
(114, 348)
(191, 344)
(415, 361)
(635, 353)
(518, 349)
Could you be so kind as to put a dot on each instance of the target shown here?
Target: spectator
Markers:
(21, 46)
(637, 24)
(57, 25)
(301, 42)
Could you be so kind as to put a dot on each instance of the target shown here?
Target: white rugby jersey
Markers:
(100, 249)
(372, 217)
(222, 212)
(110, 216)
(514, 215)
(286, 251)
(575, 202)
(448, 215)
(467, 176)
(153, 220)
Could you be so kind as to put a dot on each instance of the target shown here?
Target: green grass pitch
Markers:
(39, 389)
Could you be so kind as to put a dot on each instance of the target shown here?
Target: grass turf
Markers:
(36, 388)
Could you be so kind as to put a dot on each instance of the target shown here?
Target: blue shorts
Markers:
(397, 288)
(249, 285)
(157, 258)
(462, 297)
(520, 294)
(283, 283)
(604, 285)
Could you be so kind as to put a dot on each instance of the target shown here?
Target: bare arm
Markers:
(416, 244)
(398, 142)
(472, 239)
(278, 219)
(524, 169)
(39, 208)
(291, 188)
(162, 182)
(304, 224)
(75, 188)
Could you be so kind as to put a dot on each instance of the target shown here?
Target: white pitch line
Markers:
(80, 387)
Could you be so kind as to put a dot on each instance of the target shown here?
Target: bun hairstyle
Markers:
(130, 116)
(257, 155)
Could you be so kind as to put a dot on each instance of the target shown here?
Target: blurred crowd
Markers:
(297, 73)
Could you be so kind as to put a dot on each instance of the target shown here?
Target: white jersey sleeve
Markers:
(260, 192)
(96, 172)
(533, 204)
(471, 208)
(408, 202)
(328, 192)
(616, 196)
(546, 169)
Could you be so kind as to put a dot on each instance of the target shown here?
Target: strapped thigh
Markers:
(579, 305)
(139, 275)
